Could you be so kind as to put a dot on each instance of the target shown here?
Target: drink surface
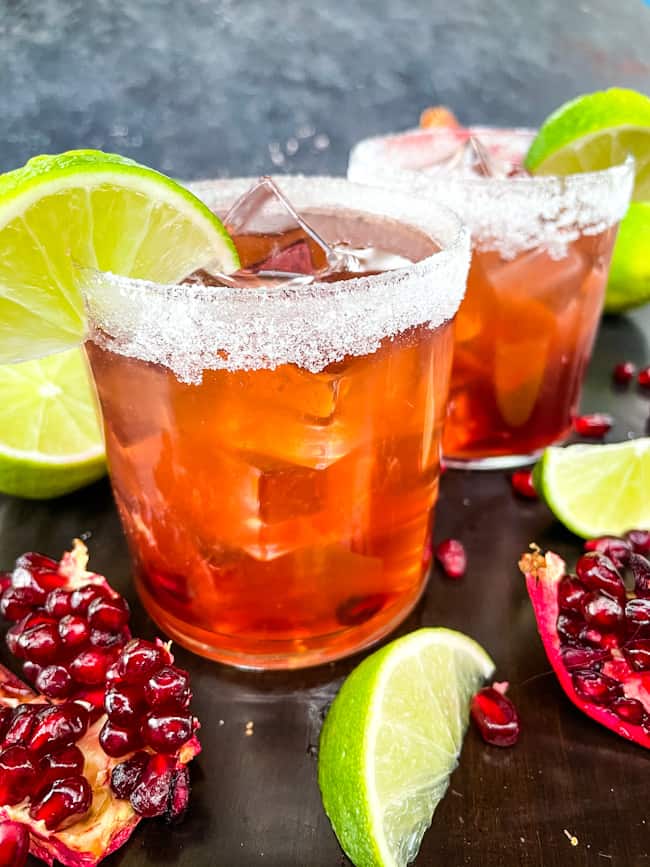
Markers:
(281, 517)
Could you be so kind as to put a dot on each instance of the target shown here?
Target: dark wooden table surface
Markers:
(256, 799)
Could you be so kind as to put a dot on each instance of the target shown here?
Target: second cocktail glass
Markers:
(273, 443)
(540, 255)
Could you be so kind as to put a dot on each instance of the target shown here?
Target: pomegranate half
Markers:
(596, 631)
(104, 737)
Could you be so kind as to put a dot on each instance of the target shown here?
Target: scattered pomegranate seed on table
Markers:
(495, 716)
(451, 555)
(522, 484)
(643, 377)
(595, 424)
(623, 372)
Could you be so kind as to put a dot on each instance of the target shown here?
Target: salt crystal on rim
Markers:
(508, 215)
(191, 328)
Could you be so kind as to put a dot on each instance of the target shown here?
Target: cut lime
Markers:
(95, 210)
(50, 439)
(629, 274)
(596, 131)
(597, 490)
(391, 740)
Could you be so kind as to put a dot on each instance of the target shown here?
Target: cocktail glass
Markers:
(540, 256)
(273, 438)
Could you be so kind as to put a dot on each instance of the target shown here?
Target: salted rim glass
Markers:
(190, 327)
(506, 214)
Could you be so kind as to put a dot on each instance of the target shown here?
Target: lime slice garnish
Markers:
(50, 439)
(91, 209)
(391, 740)
(597, 490)
(629, 273)
(596, 131)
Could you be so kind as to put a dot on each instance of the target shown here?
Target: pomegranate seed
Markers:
(21, 723)
(151, 796)
(66, 798)
(166, 732)
(570, 593)
(81, 598)
(14, 844)
(90, 666)
(5, 719)
(118, 741)
(101, 638)
(126, 776)
(599, 573)
(595, 424)
(582, 657)
(640, 567)
(57, 602)
(496, 717)
(595, 687)
(618, 550)
(597, 638)
(643, 377)
(628, 709)
(73, 630)
(569, 626)
(522, 483)
(452, 557)
(639, 540)
(637, 611)
(179, 797)
(623, 372)
(18, 602)
(637, 654)
(58, 726)
(54, 681)
(40, 644)
(601, 611)
(36, 579)
(124, 705)
(38, 562)
(109, 615)
(17, 775)
(31, 671)
(170, 686)
(140, 659)
(68, 762)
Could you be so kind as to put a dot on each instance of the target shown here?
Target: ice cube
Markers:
(297, 250)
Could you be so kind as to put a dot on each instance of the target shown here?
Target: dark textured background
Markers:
(206, 87)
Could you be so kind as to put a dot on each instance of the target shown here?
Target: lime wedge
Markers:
(596, 131)
(597, 490)
(629, 273)
(96, 210)
(391, 740)
(50, 439)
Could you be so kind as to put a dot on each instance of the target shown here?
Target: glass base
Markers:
(496, 462)
(279, 654)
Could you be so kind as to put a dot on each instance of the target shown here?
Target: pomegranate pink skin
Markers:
(543, 573)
